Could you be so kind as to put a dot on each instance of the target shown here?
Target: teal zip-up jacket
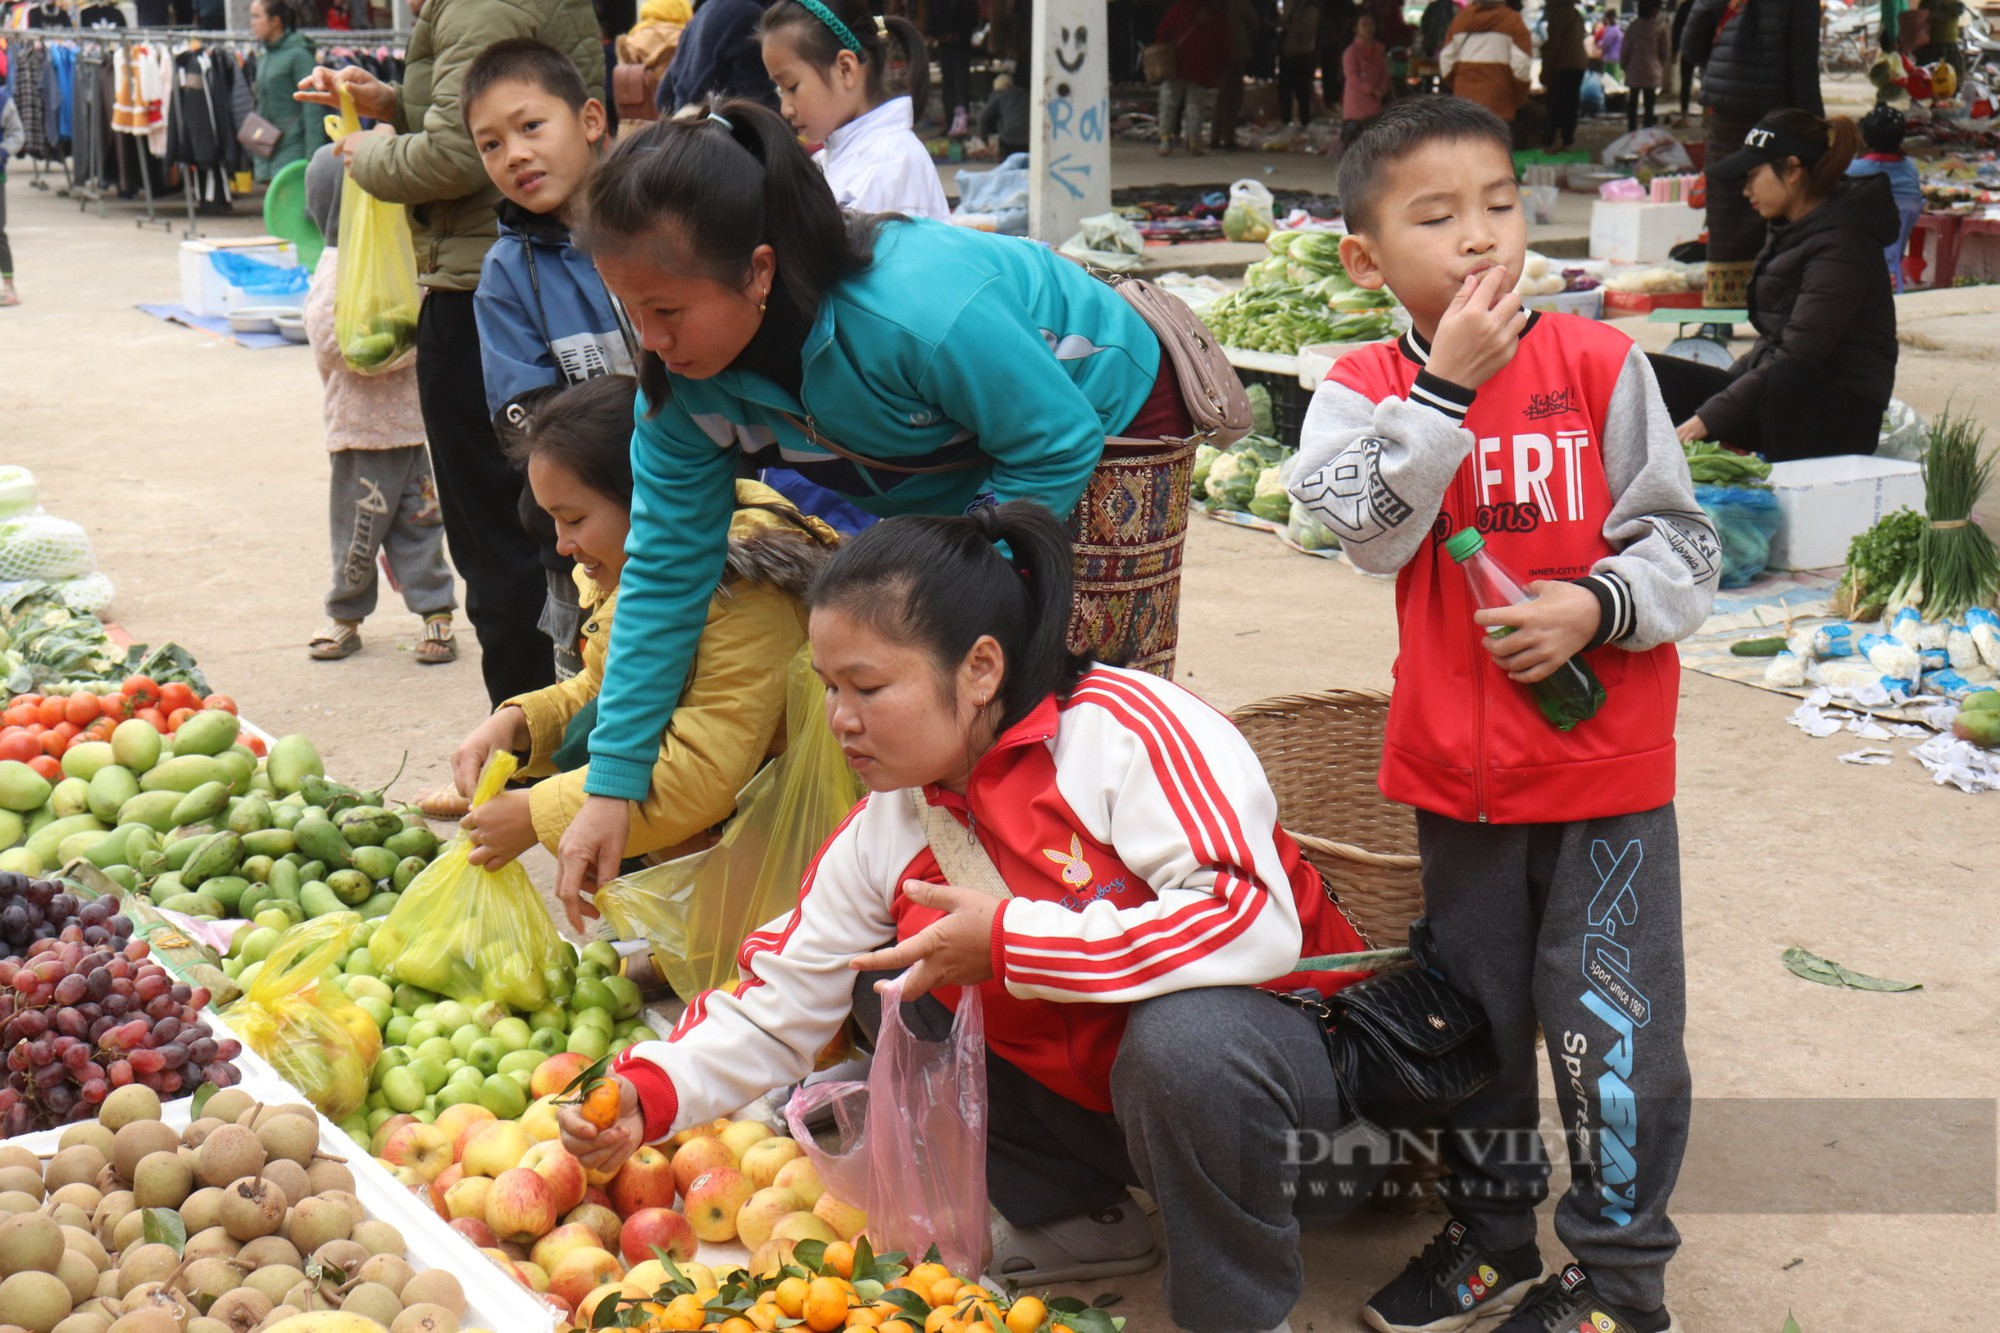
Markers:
(951, 341)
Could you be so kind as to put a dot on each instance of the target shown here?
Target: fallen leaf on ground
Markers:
(1829, 973)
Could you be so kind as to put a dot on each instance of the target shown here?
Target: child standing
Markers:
(1550, 861)
(1609, 40)
(1646, 50)
(12, 136)
(383, 496)
(1882, 131)
(544, 316)
(1198, 31)
(1477, 65)
(1364, 68)
(827, 62)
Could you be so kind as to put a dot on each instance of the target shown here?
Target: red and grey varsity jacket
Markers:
(1139, 838)
(1567, 462)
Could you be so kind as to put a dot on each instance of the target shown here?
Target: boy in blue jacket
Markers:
(545, 318)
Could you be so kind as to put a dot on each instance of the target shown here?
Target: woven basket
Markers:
(1129, 532)
(1321, 752)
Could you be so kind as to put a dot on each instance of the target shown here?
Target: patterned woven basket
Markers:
(1130, 530)
(1321, 752)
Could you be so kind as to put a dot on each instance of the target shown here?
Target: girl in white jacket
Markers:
(826, 58)
(1129, 962)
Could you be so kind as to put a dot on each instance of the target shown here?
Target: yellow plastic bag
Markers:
(696, 911)
(375, 297)
(472, 933)
(294, 1014)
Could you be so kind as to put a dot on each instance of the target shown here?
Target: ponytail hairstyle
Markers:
(1841, 136)
(941, 583)
(819, 43)
(702, 190)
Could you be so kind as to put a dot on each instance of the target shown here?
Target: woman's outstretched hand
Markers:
(588, 855)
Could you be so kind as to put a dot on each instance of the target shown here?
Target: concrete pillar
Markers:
(1070, 124)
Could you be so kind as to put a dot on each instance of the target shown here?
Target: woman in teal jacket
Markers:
(910, 366)
(287, 57)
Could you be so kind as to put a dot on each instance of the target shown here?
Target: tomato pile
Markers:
(36, 729)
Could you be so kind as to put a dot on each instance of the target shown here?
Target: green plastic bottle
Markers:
(1572, 692)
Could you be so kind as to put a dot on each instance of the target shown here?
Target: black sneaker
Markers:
(1567, 1303)
(1452, 1283)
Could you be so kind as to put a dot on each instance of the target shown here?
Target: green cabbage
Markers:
(1204, 457)
(44, 547)
(1232, 481)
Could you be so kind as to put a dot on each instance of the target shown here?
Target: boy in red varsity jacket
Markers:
(1551, 866)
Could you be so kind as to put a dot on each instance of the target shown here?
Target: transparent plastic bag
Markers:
(1249, 214)
(294, 1014)
(913, 1137)
(695, 911)
(1745, 521)
(375, 298)
(469, 932)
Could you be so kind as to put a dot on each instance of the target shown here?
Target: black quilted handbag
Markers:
(1406, 1047)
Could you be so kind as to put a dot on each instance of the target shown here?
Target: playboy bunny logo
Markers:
(1076, 871)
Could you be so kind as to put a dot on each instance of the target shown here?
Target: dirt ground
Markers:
(198, 468)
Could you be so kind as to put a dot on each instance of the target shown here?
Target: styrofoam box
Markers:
(204, 290)
(1825, 503)
(1588, 304)
(491, 1300)
(1635, 232)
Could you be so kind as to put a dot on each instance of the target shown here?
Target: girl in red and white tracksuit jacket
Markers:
(1551, 864)
(1129, 983)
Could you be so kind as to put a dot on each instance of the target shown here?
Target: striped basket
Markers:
(1130, 530)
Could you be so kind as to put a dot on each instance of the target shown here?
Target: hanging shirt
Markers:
(876, 164)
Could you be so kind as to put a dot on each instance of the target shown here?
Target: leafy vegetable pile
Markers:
(46, 647)
(1709, 464)
(1881, 563)
(1299, 296)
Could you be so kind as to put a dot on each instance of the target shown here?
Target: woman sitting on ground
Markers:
(1824, 363)
(1130, 981)
(575, 446)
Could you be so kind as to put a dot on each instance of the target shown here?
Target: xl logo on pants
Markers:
(1615, 999)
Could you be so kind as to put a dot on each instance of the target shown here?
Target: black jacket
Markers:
(1767, 57)
(1820, 293)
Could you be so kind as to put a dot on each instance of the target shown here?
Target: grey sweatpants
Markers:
(386, 500)
(1575, 927)
(1224, 1110)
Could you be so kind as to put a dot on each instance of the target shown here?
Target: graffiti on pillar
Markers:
(1070, 123)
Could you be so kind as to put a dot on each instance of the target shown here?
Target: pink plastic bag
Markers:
(913, 1137)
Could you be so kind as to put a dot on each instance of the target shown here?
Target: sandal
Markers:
(437, 646)
(1111, 1242)
(444, 804)
(340, 639)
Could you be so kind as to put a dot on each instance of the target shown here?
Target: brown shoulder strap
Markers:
(876, 464)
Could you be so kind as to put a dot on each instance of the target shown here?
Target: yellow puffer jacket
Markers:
(732, 713)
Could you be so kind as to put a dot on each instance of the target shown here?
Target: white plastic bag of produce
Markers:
(42, 546)
(1249, 215)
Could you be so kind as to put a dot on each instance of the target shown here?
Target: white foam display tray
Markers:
(492, 1300)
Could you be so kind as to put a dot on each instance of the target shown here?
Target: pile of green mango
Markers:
(208, 829)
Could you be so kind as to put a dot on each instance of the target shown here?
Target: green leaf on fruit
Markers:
(1090, 1319)
(678, 1283)
(909, 1302)
(163, 1226)
(1066, 1305)
(611, 1314)
(812, 1254)
(867, 1289)
(1791, 1324)
(201, 1096)
(931, 1256)
(579, 1087)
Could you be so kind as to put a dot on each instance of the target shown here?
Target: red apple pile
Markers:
(563, 1231)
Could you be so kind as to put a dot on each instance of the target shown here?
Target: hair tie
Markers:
(842, 33)
(985, 512)
(723, 121)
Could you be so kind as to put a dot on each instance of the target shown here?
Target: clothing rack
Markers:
(86, 191)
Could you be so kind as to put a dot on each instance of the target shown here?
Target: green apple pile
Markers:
(438, 1053)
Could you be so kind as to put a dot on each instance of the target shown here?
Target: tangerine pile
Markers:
(834, 1286)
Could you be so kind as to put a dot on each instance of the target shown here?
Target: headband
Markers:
(841, 31)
